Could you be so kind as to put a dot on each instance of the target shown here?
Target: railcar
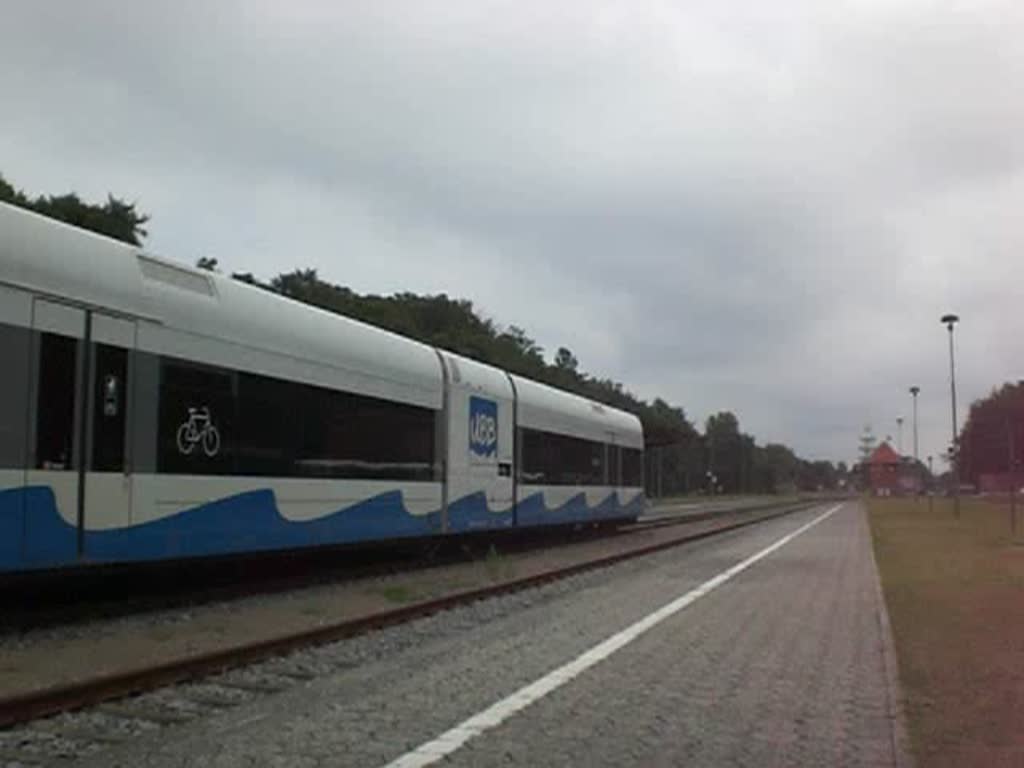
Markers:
(150, 411)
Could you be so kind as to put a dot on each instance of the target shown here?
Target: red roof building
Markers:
(890, 475)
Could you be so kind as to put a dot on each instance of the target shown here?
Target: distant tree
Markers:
(8, 194)
(115, 218)
(566, 360)
(728, 456)
(527, 346)
(208, 263)
(817, 476)
(782, 466)
(992, 440)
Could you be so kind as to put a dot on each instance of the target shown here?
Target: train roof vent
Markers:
(171, 274)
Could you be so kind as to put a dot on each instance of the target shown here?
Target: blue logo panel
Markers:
(483, 427)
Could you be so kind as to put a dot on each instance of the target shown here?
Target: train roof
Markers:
(228, 322)
(198, 310)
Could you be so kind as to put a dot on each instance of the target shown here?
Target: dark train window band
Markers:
(55, 414)
(214, 421)
(15, 351)
(549, 458)
(632, 467)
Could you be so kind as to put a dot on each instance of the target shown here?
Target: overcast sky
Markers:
(762, 207)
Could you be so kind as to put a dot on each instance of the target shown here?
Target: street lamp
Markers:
(914, 392)
(931, 483)
(899, 436)
(949, 321)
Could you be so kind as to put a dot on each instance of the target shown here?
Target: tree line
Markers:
(680, 458)
(992, 440)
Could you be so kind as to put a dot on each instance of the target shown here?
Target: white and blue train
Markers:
(150, 411)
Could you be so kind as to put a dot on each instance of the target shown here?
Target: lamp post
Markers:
(954, 455)
(914, 391)
(931, 484)
(1012, 465)
(899, 436)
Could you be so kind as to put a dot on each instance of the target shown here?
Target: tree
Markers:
(992, 440)
(115, 218)
(728, 453)
(817, 476)
(8, 194)
(208, 263)
(781, 467)
(566, 360)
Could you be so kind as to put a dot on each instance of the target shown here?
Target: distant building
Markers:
(889, 474)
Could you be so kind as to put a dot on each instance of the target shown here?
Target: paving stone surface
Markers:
(782, 665)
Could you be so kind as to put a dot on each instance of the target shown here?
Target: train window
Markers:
(532, 459)
(351, 436)
(214, 421)
(55, 402)
(553, 459)
(614, 465)
(196, 417)
(14, 398)
(108, 419)
(263, 435)
(632, 467)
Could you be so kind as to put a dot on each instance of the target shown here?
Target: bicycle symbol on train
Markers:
(199, 430)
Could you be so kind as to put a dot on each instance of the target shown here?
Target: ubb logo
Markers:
(483, 426)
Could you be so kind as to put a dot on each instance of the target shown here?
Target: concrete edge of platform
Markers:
(901, 751)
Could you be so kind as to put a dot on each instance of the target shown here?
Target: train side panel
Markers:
(151, 411)
(480, 437)
(578, 461)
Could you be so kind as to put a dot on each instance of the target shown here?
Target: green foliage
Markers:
(992, 440)
(115, 218)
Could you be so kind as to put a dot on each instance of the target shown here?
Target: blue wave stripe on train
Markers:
(33, 535)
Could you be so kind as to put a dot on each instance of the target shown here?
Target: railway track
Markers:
(110, 593)
(50, 726)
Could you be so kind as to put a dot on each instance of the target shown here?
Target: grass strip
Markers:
(954, 589)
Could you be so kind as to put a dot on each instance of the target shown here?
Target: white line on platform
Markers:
(451, 740)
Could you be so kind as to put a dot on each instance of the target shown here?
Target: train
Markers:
(151, 411)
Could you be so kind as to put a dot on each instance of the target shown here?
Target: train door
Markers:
(53, 475)
(612, 473)
(107, 481)
(479, 471)
(15, 346)
(77, 467)
(613, 461)
(501, 493)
